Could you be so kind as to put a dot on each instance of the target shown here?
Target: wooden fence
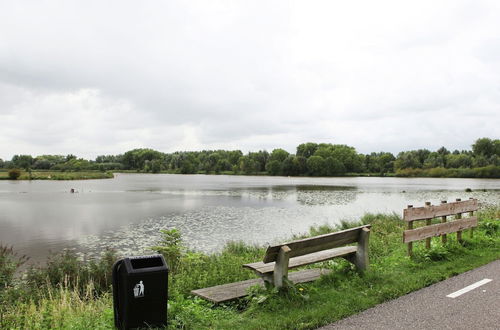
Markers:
(443, 211)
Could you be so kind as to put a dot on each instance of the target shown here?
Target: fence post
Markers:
(428, 222)
(443, 220)
(459, 216)
(361, 260)
(471, 213)
(409, 227)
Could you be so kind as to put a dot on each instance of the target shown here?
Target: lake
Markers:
(128, 211)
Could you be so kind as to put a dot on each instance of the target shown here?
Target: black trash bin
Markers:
(140, 288)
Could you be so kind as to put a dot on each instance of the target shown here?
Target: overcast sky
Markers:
(104, 77)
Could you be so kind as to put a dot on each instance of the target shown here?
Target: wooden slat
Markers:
(438, 229)
(226, 292)
(264, 268)
(430, 212)
(317, 243)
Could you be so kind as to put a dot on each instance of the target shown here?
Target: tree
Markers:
(260, 158)
(316, 166)
(306, 150)
(23, 161)
(386, 162)
(248, 165)
(457, 161)
(484, 147)
(155, 165)
(407, 159)
(274, 167)
(480, 161)
(14, 173)
(434, 159)
(135, 159)
(291, 166)
(334, 167)
(279, 155)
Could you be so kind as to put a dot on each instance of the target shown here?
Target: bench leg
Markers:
(281, 266)
(361, 259)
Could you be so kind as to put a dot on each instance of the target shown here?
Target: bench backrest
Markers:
(317, 243)
(434, 211)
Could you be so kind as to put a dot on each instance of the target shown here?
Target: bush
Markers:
(9, 263)
(14, 173)
(171, 248)
(68, 271)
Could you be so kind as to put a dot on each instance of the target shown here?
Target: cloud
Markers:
(97, 77)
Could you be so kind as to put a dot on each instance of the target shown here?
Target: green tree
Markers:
(386, 160)
(23, 161)
(457, 161)
(316, 166)
(434, 159)
(279, 155)
(135, 159)
(306, 150)
(480, 161)
(484, 147)
(334, 167)
(292, 166)
(407, 159)
(14, 173)
(248, 165)
(260, 158)
(274, 167)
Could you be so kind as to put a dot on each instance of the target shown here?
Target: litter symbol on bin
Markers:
(139, 290)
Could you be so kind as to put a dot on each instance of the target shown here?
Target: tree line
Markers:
(310, 159)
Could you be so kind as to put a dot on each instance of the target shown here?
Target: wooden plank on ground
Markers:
(438, 229)
(434, 211)
(226, 292)
(305, 259)
(317, 243)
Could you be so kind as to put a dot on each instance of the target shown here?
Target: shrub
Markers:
(9, 263)
(14, 173)
(490, 227)
(170, 246)
(69, 271)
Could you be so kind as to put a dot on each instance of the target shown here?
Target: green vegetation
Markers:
(54, 175)
(14, 173)
(68, 293)
(310, 159)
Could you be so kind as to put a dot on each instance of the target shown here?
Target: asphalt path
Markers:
(475, 307)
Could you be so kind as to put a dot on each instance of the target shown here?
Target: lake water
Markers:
(128, 211)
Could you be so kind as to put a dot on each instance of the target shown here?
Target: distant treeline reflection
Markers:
(310, 159)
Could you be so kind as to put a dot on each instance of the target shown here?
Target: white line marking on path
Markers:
(468, 288)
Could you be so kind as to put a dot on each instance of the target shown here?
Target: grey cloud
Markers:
(105, 76)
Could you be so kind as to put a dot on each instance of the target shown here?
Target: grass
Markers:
(59, 175)
(70, 301)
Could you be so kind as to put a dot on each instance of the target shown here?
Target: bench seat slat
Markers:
(226, 292)
(265, 268)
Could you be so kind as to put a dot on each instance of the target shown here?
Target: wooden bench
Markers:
(280, 258)
(444, 210)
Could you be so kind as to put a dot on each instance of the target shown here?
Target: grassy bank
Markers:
(68, 293)
(59, 175)
(491, 172)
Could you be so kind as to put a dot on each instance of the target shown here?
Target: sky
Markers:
(102, 77)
